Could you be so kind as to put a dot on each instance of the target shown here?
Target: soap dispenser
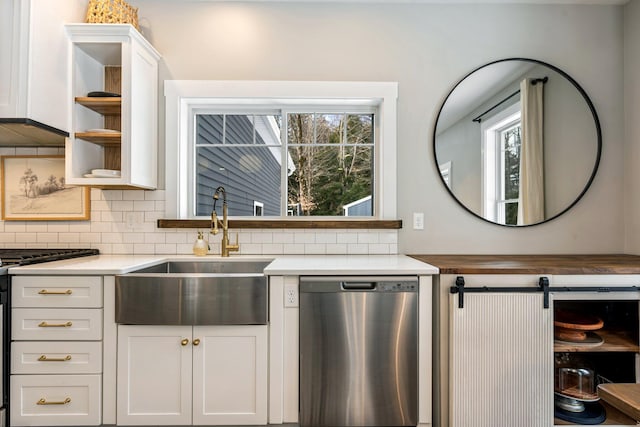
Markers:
(201, 246)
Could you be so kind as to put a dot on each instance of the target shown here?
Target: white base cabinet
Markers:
(56, 350)
(56, 400)
(181, 375)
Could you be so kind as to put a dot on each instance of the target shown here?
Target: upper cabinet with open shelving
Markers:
(116, 133)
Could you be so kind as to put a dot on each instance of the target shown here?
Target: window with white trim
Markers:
(321, 149)
(501, 165)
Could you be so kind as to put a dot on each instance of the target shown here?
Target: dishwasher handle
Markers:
(358, 286)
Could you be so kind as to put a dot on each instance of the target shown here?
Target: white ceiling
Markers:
(586, 2)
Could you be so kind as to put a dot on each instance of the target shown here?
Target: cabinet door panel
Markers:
(501, 361)
(230, 375)
(154, 375)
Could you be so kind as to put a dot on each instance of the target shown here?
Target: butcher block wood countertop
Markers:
(533, 264)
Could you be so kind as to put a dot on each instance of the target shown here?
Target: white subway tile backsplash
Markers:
(143, 248)
(90, 237)
(7, 238)
(155, 195)
(248, 249)
(389, 237)
(282, 236)
(47, 237)
(264, 237)
(111, 216)
(36, 227)
(26, 237)
(358, 249)
(315, 249)
(368, 238)
(122, 249)
(80, 227)
(304, 238)
(337, 249)
(133, 195)
(154, 237)
(58, 228)
(144, 205)
(133, 237)
(108, 232)
(347, 238)
(166, 248)
(176, 238)
(69, 237)
(121, 205)
(111, 195)
(273, 249)
(326, 237)
(293, 249)
(14, 227)
(100, 227)
(112, 237)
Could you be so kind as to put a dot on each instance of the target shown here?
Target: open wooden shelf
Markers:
(100, 137)
(615, 341)
(105, 106)
(614, 417)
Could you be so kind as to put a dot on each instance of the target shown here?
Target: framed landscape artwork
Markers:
(34, 189)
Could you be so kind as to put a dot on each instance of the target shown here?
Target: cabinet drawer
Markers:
(56, 291)
(65, 357)
(42, 324)
(55, 400)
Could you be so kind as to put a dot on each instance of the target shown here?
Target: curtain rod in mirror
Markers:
(478, 119)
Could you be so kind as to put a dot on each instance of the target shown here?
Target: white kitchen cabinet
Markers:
(56, 350)
(203, 375)
(501, 346)
(33, 59)
(116, 133)
(56, 400)
(496, 354)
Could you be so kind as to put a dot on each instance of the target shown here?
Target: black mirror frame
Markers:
(595, 119)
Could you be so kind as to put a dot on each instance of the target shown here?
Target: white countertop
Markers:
(293, 265)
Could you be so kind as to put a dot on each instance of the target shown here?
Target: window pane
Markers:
(238, 129)
(209, 128)
(360, 129)
(511, 213)
(329, 128)
(329, 179)
(511, 140)
(248, 174)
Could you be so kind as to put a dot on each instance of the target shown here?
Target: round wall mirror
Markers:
(517, 142)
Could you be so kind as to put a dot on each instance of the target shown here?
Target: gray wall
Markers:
(426, 48)
(632, 126)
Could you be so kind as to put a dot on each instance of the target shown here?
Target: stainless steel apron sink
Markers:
(194, 293)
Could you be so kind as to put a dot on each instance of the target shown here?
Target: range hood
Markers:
(29, 133)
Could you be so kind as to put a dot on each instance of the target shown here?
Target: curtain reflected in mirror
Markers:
(524, 138)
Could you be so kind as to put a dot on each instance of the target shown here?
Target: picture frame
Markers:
(32, 188)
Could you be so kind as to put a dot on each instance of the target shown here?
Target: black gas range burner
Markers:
(35, 256)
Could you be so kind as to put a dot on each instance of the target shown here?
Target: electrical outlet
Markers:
(418, 221)
(133, 220)
(291, 295)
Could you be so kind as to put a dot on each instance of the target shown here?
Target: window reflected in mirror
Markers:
(525, 140)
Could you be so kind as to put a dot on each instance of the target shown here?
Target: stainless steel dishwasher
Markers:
(358, 351)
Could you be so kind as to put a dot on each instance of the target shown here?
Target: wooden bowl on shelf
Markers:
(573, 326)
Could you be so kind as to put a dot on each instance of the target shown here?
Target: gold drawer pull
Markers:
(46, 292)
(196, 341)
(55, 325)
(43, 401)
(44, 358)
(184, 341)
